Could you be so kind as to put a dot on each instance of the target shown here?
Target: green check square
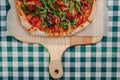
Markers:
(93, 49)
(10, 78)
(20, 59)
(30, 59)
(31, 69)
(0, 49)
(115, 18)
(82, 59)
(114, 59)
(41, 69)
(9, 59)
(93, 69)
(20, 49)
(114, 78)
(41, 49)
(116, 8)
(41, 59)
(104, 39)
(104, 49)
(72, 49)
(114, 29)
(114, 69)
(10, 69)
(93, 59)
(93, 78)
(20, 78)
(1, 78)
(72, 59)
(114, 49)
(20, 69)
(103, 78)
(1, 69)
(72, 78)
(103, 69)
(9, 49)
(9, 38)
(114, 39)
(31, 78)
(103, 59)
(83, 49)
(82, 69)
(82, 78)
(0, 59)
(72, 69)
(30, 49)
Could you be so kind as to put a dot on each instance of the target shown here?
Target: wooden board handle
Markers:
(55, 68)
(56, 48)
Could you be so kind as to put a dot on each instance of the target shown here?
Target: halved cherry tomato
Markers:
(34, 20)
(81, 20)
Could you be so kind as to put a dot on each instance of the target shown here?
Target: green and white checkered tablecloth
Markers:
(100, 61)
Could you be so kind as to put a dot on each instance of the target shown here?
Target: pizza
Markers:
(55, 17)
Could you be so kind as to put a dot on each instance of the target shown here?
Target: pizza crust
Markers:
(90, 18)
(24, 22)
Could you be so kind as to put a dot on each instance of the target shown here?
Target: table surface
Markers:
(100, 61)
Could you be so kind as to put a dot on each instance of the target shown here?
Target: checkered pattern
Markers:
(100, 61)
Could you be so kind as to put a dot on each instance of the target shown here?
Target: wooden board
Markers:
(56, 47)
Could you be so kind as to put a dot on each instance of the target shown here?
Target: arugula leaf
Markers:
(77, 7)
(77, 1)
(90, 1)
(65, 24)
(24, 1)
(23, 7)
(71, 7)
